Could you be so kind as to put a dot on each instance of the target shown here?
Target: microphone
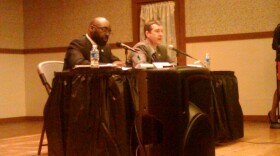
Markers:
(120, 44)
(179, 51)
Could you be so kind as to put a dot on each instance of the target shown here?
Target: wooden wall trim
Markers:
(49, 50)
(114, 46)
(180, 29)
(256, 118)
(21, 119)
(11, 51)
(44, 50)
(229, 37)
(195, 39)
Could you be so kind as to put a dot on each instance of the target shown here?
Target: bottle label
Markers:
(94, 57)
(207, 60)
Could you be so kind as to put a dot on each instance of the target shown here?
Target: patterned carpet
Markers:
(21, 146)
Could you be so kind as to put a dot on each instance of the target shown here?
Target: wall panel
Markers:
(218, 17)
(11, 24)
(54, 23)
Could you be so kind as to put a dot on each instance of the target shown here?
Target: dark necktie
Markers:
(154, 57)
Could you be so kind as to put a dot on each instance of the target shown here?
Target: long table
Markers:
(109, 111)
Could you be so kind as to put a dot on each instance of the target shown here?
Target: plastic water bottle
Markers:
(207, 60)
(94, 57)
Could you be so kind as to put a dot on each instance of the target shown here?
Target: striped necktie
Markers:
(154, 56)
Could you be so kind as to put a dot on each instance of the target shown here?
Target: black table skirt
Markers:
(89, 112)
(92, 112)
(228, 115)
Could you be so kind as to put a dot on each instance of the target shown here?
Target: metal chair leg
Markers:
(41, 139)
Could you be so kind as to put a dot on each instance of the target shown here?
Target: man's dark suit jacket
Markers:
(78, 53)
(144, 54)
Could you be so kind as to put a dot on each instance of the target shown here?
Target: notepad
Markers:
(100, 65)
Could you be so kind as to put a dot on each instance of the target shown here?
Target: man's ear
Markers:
(92, 27)
(147, 33)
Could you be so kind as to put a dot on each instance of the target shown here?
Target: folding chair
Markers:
(46, 71)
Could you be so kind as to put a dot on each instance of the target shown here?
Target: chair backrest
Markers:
(46, 71)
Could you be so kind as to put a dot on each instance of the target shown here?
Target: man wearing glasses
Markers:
(78, 52)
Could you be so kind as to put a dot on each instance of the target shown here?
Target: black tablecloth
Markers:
(90, 112)
(93, 111)
(228, 114)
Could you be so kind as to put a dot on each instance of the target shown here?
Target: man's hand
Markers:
(118, 63)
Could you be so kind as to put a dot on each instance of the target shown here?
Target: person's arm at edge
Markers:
(276, 38)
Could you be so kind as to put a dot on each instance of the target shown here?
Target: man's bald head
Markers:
(99, 30)
(98, 22)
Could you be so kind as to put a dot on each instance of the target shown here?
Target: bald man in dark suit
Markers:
(78, 52)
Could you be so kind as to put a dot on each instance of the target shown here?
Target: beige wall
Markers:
(251, 60)
(47, 24)
(54, 23)
(35, 93)
(219, 17)
(253, 64)
(11, 24)
(12, 87)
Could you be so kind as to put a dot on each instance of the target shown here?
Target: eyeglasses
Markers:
(105, 29)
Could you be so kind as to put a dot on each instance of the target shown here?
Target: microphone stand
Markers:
(185, 54)
(126, 47)
(126, 63)
(126, 58)
(179, 52)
